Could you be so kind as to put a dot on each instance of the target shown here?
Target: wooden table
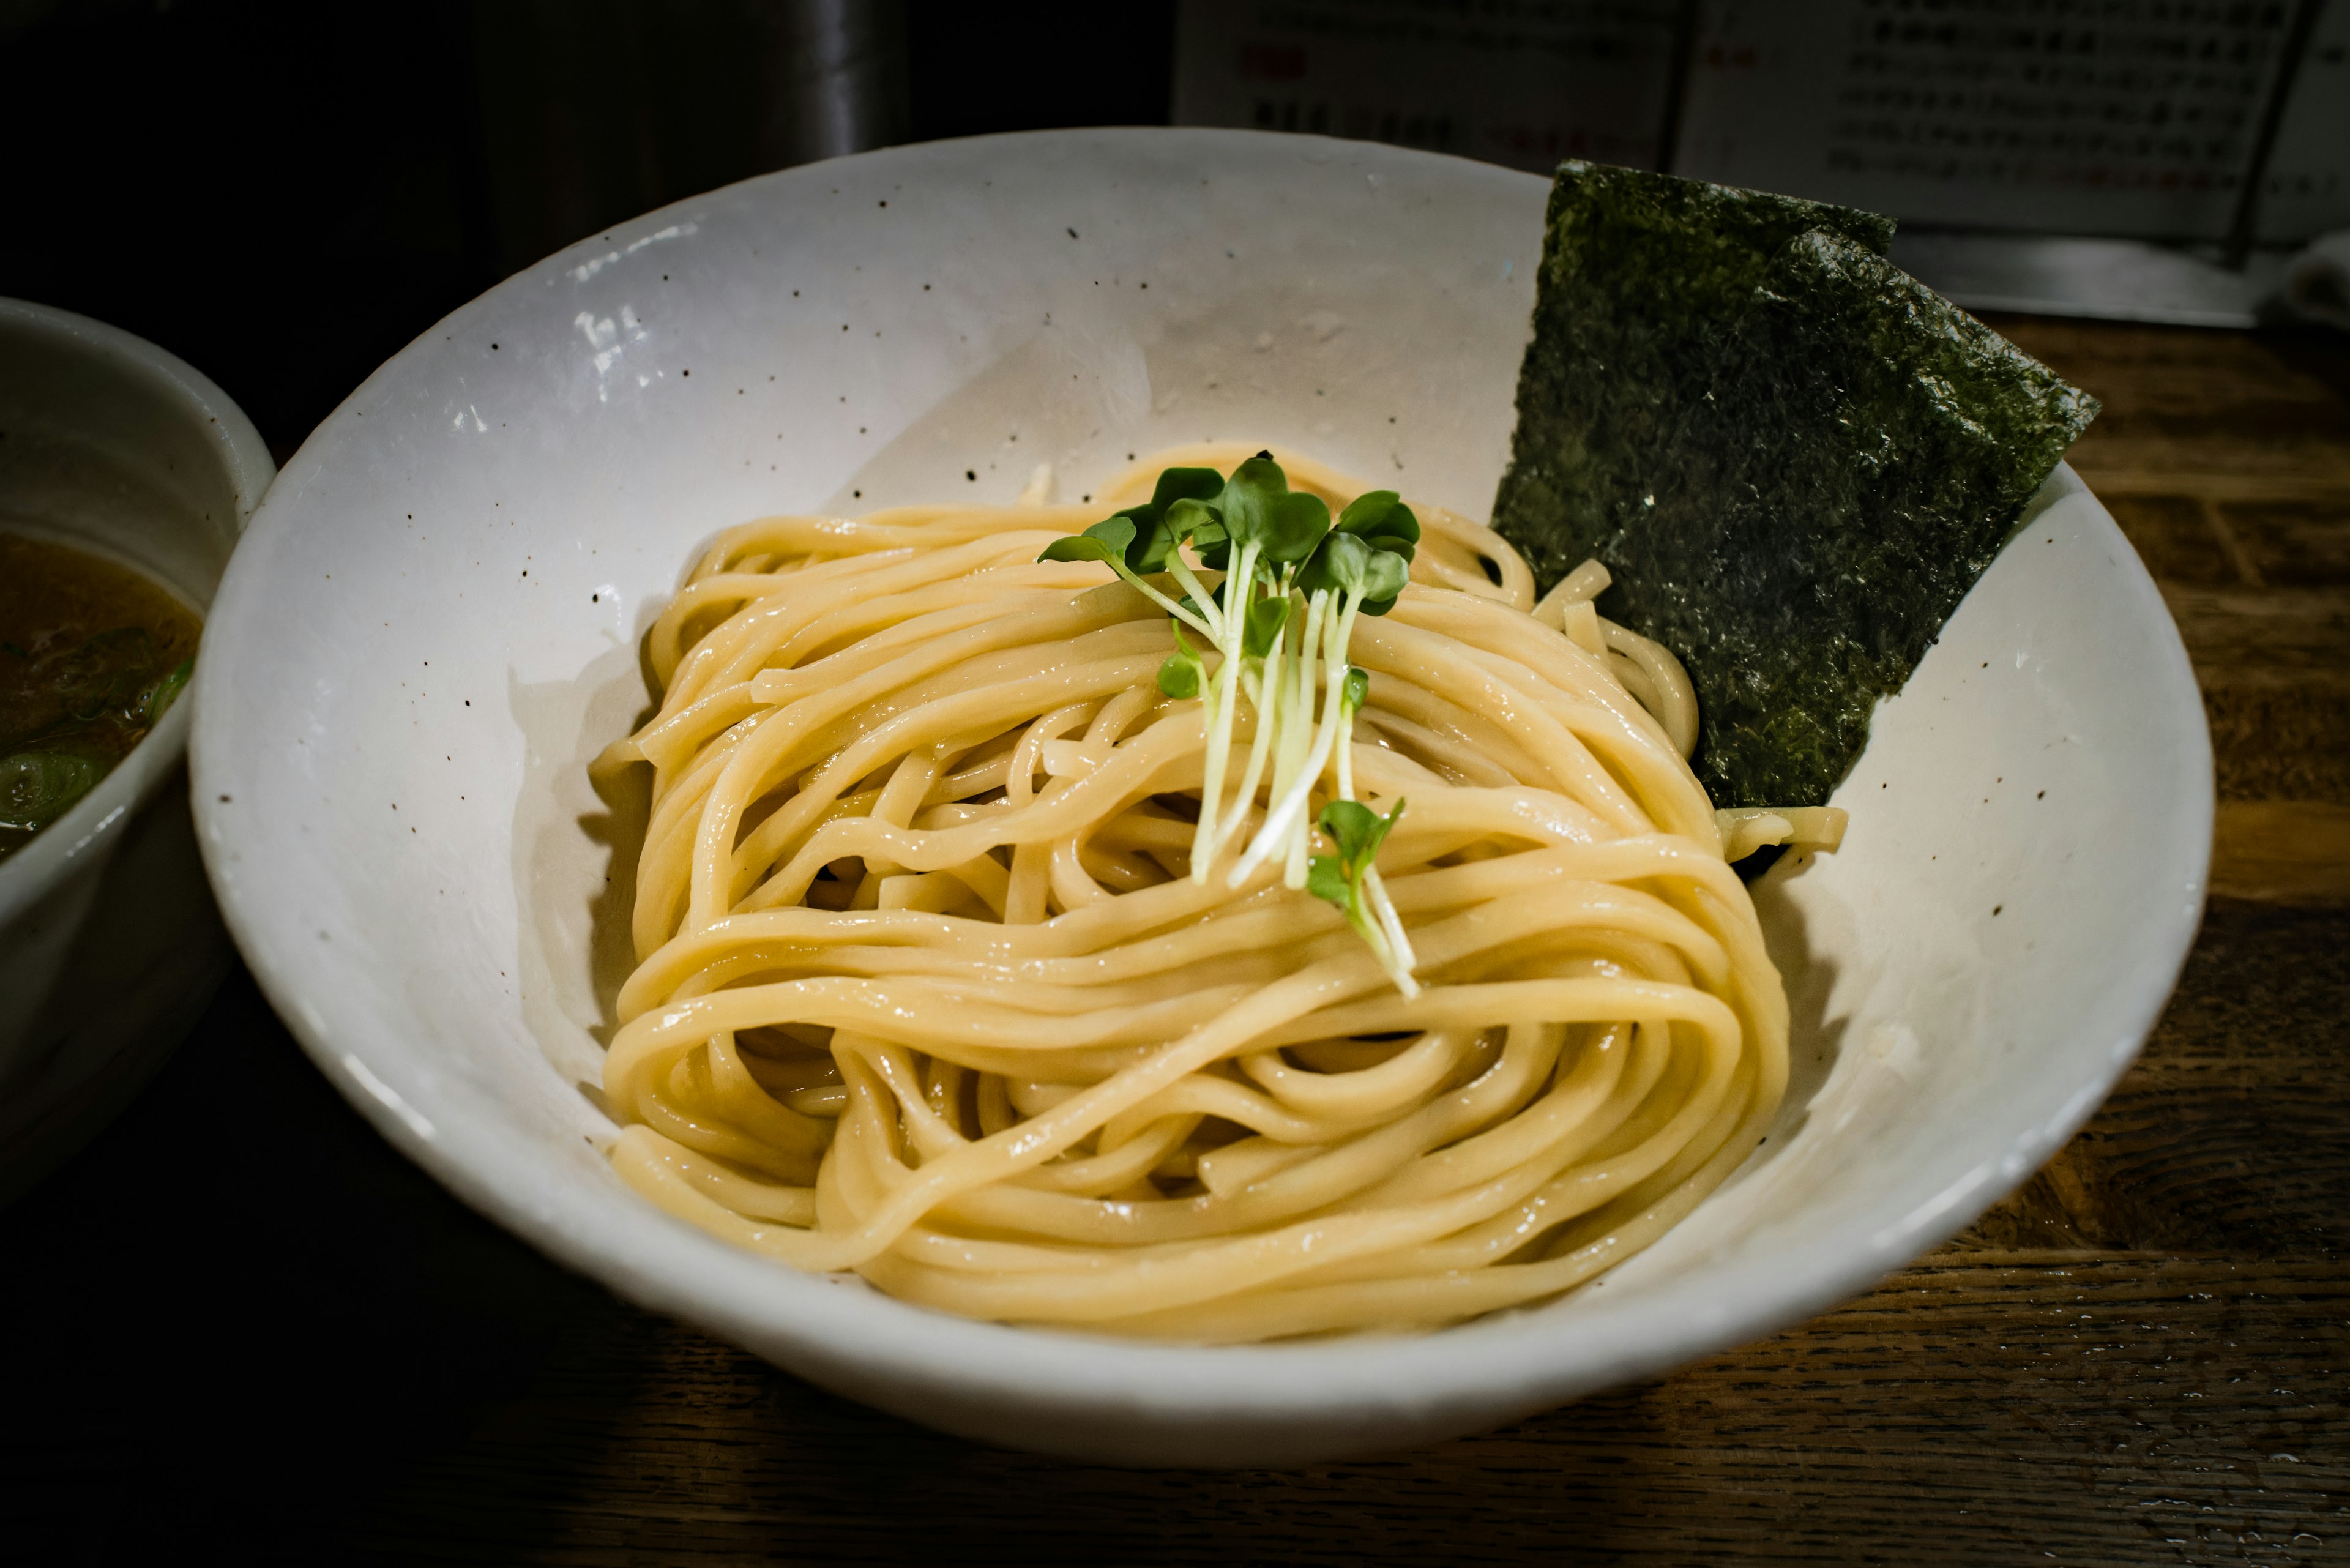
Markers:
(302, 1345)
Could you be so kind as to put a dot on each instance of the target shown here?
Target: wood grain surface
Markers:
(304, 1349)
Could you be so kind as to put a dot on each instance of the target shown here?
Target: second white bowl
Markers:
(109, 941)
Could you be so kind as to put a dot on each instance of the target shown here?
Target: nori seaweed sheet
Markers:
(1794, 460)
(1640, 275)
(1808, 552)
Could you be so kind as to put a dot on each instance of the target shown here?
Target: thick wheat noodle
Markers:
(925, 990)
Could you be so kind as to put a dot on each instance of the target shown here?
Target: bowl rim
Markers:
(1487, 1369)
(86, 832)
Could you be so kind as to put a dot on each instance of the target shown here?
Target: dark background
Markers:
(256, 1344)
(284, 192)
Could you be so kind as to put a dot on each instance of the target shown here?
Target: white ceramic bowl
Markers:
(109, 940)
(433, 626)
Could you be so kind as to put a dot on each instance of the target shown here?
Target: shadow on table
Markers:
(240, 1314)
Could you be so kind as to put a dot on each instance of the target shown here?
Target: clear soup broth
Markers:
(91, 655)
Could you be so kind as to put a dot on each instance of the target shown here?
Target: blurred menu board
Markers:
(2136, 118)
(2307, 190)
(1521, 82)
(2087, 117)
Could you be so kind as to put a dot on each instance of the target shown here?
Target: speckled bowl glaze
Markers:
(433, 626)
(109, 940)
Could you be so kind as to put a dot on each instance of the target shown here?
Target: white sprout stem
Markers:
(1289, 748)
(1289, 745)
(1399, 956)
(1275, 718)
(1212, 782)
(1200, 595)
(1163, 602)
(1269, 711)
(1175, 609)
(1298, 744)
(1345, 749)
(1239, 587)
(1337, 736)
(1375, 937)
(1286, 812)
(1334, 734)
(1220, 733)
(1300, 847)
(1283, 744)
(1375, 890)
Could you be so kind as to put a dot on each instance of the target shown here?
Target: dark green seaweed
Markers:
(1793, 458)
(1641, 275)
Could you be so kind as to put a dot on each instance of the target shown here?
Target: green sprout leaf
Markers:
(1345, 564)
(1134, 541)
(1294, 525)
(1382, 520)
(1249, 496)
(1141, 538)
(1107, 540)
(1338, 566)
(1194, 484)
(1180, 676)
(1350, 881)
(1358, 831)
(1147, 542)
(1199, 523)
(1358, 686)
(1383, 581)
(1152, 543)
(1130, 543)
(1260, 509)
(1191, 519)
(1209, 539)
(1265, 619)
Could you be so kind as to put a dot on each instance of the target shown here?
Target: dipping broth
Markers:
(91, 655)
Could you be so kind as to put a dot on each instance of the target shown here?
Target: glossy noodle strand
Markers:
(925, 990)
